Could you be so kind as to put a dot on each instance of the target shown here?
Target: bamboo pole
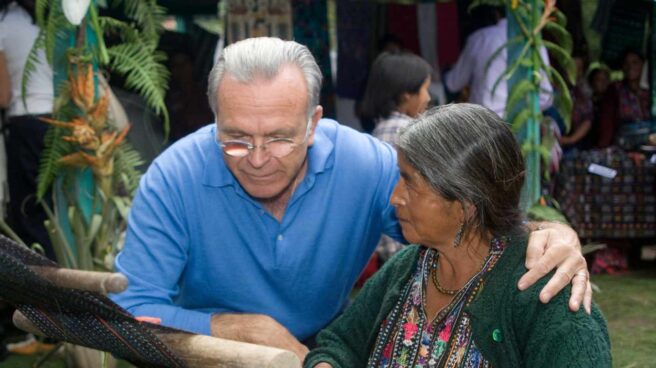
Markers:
(199, 351)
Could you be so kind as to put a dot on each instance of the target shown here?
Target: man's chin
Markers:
(262, 192)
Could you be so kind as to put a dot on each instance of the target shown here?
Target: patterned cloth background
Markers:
(598, 207)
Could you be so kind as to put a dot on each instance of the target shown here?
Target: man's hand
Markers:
(552, 244)
(256, 329)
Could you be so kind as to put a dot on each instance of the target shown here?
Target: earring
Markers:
(458, 238)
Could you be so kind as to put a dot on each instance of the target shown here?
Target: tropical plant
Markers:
(533, 18)
(87, 165)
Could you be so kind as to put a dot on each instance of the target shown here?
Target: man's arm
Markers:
(155, 255)
(553, 245)
(256, 329)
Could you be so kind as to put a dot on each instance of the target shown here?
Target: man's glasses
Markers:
(276, 147)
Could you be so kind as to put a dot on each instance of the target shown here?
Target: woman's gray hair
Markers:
(468, 154)
(263, 57)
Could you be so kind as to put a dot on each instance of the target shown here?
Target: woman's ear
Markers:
(467, 211)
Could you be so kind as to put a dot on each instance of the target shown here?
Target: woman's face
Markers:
(632, 67)
(426, 217)
(600, 82)
(413, 104)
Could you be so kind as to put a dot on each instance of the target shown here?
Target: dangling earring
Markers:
(458, 238)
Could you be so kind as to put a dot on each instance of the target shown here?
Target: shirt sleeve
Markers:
(461, 74)
(155, 254)
(389, 178)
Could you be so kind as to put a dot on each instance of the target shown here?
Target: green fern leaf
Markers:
(149, 16)
(40, 10)
(518, 93)
(30, 64)
(520, 120)
(560, 18)
(563, 38)
(123, 29)
(144, 72)
(563, 58)
(54, 148)
(562, 100)
(126, 162)
(56, 26)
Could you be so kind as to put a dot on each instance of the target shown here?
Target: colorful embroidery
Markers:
(408, 339)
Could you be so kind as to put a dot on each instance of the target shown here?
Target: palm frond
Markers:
(144, 72)
(31, 63)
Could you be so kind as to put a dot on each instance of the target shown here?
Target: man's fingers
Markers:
(587, 299)
(579, 286)
(540, 268)
(301, 351)
(537, 241)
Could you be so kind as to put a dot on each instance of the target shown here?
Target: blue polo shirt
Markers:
(198, 244)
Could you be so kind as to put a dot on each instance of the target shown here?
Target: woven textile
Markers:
(80, 317)
(599, 207)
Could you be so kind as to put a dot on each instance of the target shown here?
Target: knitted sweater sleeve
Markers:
(556, 337)
(347, 342)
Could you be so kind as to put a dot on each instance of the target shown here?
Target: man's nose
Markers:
(258, 157)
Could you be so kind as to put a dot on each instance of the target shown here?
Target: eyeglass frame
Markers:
(251, 147)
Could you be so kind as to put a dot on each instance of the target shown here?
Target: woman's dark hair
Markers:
(468, 154)
(392, 75)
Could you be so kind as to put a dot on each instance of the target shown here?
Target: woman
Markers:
(397, 91)
(451, 300)
(24, 132)
(625, 101)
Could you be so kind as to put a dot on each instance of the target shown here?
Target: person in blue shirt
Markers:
(256, 227)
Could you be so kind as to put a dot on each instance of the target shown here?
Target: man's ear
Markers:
(316, 116)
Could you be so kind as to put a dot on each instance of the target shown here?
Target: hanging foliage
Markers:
(534, 19)
(87, 165)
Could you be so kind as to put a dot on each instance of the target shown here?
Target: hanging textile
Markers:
(448, 33)
(354, 36)
(402, 22)
(257, 18)
(311, 29)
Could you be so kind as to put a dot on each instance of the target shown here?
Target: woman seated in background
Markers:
(451, 299)
(625, 101)
(397, 92)
(582, 111)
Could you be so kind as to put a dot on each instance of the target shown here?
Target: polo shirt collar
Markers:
(217, 174)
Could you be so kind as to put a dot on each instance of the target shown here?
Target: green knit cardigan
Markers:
(511, 328)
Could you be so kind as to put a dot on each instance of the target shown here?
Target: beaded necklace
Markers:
(407, 338)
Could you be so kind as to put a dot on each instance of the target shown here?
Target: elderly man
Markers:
(255, 228)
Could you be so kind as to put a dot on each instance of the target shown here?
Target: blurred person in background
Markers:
(396, 93)
(625, 101)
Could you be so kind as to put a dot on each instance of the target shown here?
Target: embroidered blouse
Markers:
(407, 338)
